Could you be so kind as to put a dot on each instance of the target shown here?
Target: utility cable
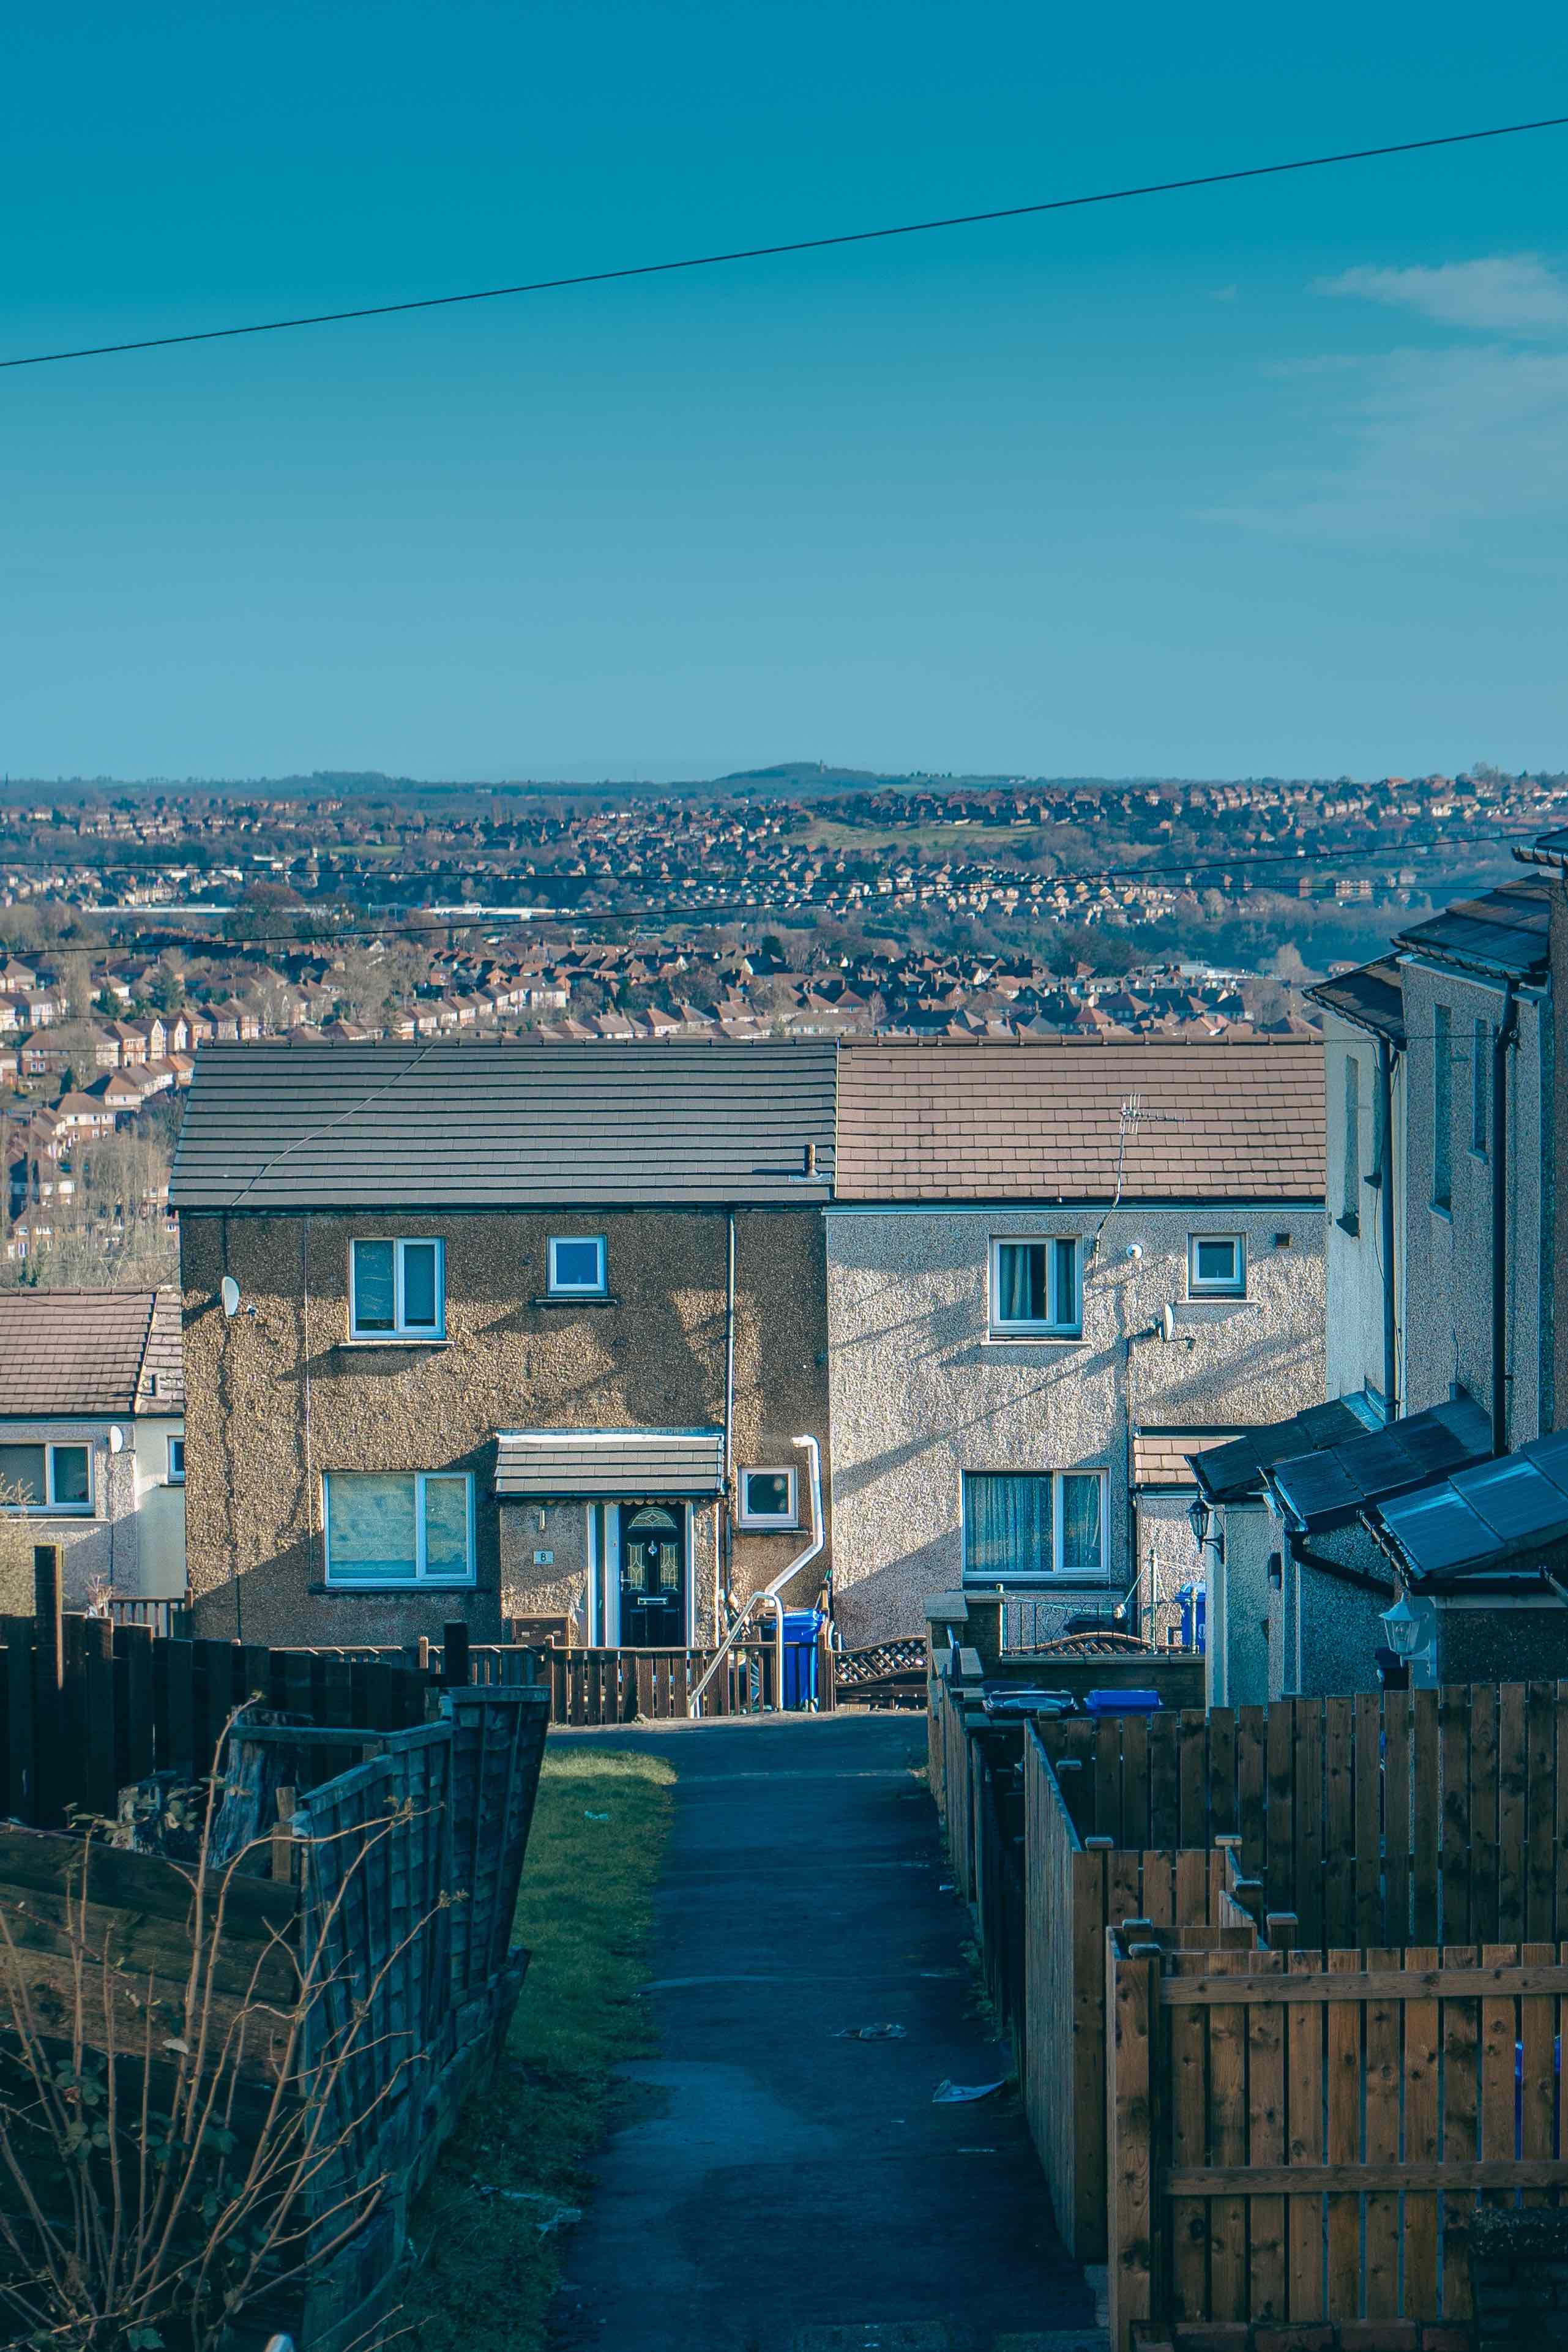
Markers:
(794, 245)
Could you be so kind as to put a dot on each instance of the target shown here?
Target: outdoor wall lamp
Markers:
(1406, 1628)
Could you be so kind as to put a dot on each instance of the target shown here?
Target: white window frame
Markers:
(599, 1288)
(48, 1507)
(760, 1522)
(419, 1577)
(1053, 1327)
(177, 1476)
(1057, 1574)
(400, 1330)
(1202, 1286)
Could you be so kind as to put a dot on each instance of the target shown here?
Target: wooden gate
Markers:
(1303, 2138)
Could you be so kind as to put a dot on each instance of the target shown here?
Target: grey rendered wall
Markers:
(1449, 1257)
(920, 1392)
(1355, 1261)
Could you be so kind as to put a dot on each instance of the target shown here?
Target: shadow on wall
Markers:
(271, 1602)
(890, 1600)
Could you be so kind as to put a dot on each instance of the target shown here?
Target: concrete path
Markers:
(776, 2187)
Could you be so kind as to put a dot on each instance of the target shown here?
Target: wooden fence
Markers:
(1303, 2137)
(1405, 1817)
(384, 1931)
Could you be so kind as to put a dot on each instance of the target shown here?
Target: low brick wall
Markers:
(1519, 2279)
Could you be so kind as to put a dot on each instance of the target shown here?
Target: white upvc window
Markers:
(1217, 1265)
(1021, 1526)
(578, 1267)
(44, 1477)
(1036, 1288)
(399, 1527)
(177, 1460)
(397, 1290)
(768, 1499)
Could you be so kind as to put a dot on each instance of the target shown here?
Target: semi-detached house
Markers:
(522, 1332)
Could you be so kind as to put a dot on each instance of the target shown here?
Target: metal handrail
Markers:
(771, 1593)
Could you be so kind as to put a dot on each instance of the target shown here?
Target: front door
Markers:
(653, 1576)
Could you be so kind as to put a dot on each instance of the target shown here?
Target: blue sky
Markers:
(1271, 478)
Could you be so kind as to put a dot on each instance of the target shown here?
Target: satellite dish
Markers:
(228, 1291)
(117, 1440)
(1167, 1322)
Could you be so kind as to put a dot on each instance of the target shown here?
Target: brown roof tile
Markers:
(84, 1352)
(1206, 1121)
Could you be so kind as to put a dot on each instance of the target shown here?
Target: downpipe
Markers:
(770, 1596)
(1506, 1030)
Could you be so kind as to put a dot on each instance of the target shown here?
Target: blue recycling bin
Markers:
(1098, 1703)
(1193, 1601)
(802, 1628)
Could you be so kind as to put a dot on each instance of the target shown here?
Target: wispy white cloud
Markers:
(1432, 445)
(1507, 294)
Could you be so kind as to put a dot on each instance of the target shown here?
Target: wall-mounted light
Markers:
(1408, 1630)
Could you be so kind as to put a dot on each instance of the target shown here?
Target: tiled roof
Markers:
(1505, 931)
(85, 1352)
(476, 1126)
(1162, 1457)
(1373, 997)
(1044, 1122)
(564, 1464)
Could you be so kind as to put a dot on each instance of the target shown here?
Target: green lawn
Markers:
(483, 2271)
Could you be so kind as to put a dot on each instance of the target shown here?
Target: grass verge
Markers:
(484, 2270)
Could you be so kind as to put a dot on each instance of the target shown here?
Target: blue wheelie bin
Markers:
(802, 1628)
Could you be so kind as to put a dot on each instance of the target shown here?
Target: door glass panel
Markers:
(374, 1294)
(370, 1522)
(71, 1482)
(447, 1528)
(419, 1286)
(22, 1475)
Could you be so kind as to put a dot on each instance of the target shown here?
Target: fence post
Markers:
(455, 1653)
(1131, 2018)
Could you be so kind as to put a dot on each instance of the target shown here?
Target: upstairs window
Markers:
(1442, 1108)
(1035, 1290)
(176, 1461)
(54, 1478)
(1216, 1267)
(398, 1290)
(400, 1527)
(1349, 1204)
(577, 1267)
(1480, 1056)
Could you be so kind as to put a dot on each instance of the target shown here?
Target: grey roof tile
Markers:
(87, 1352)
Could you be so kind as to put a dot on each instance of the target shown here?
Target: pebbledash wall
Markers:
(922, 1391)
(280, 1396)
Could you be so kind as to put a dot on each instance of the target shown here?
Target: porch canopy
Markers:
(607, 1466)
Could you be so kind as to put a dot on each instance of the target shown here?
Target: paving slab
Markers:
(779, 2183)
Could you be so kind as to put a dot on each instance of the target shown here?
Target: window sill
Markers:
(575, 1298)
(387, 1340)
(767, 1526)
(1034, 1338)
(1443, 1209)
(411, 1586)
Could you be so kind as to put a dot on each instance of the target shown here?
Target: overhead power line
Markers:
(793, 244)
